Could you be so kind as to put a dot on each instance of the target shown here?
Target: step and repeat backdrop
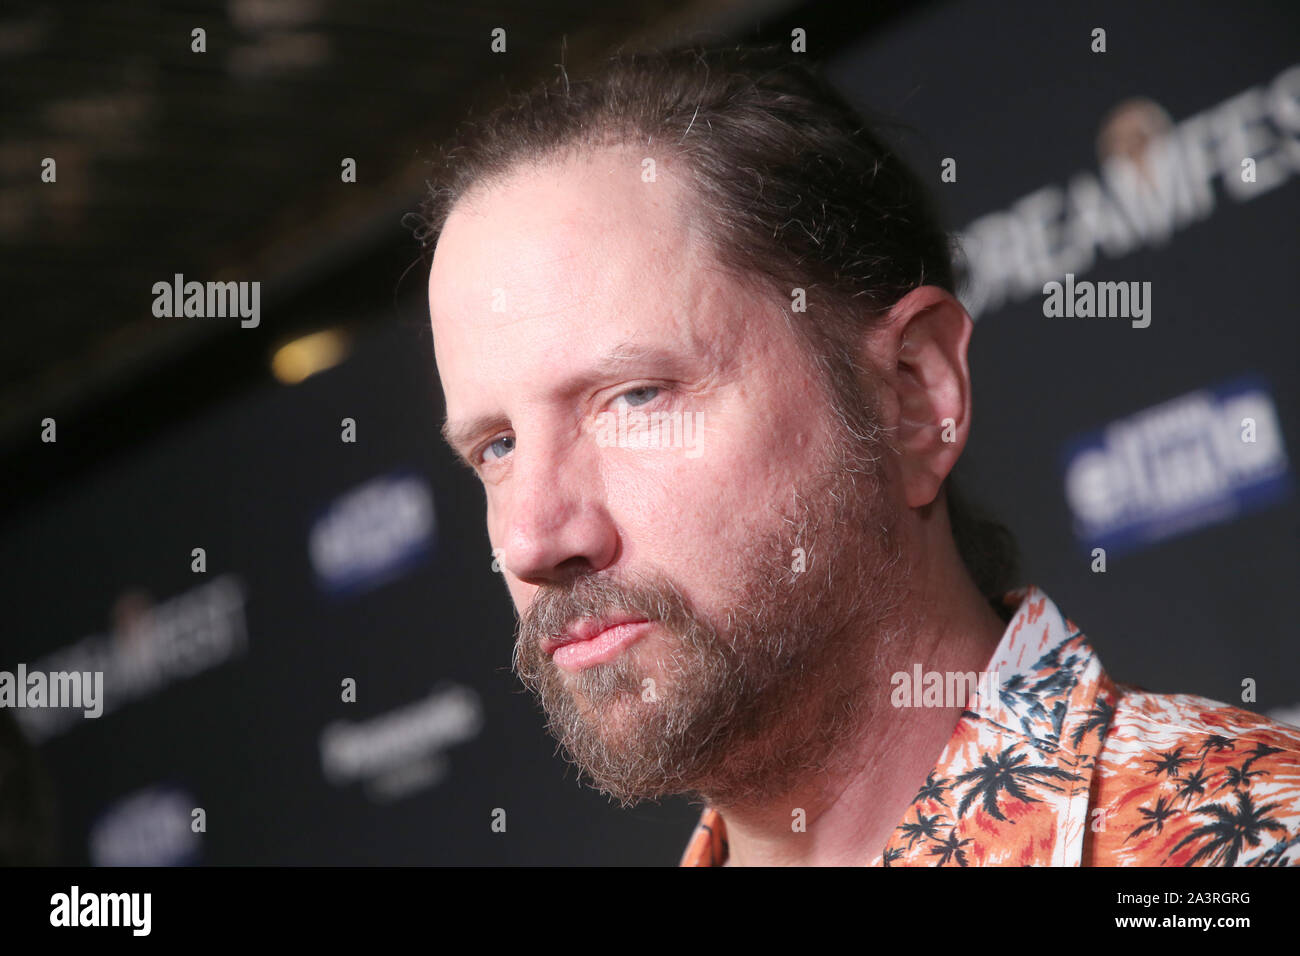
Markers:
(305, 649)
(1124, 180)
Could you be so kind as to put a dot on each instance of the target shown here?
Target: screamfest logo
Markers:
(1155, 178)
(150, 646)
(1201, 458)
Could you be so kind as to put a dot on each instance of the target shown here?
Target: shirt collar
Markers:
(1047, 702)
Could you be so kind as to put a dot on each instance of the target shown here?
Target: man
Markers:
(697, 336)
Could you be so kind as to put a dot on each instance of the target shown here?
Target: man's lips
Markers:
(586, 629)
(594, 641)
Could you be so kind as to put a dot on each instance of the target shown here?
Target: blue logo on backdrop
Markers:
(150, 827)
(373, 533)
(1205, 457)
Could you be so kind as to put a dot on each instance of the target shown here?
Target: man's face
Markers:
(761, 551)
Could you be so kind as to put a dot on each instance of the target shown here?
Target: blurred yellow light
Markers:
(304, 357)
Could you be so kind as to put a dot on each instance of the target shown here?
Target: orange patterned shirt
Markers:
(1062, 766)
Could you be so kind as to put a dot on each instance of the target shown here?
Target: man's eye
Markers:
(639, 396)
(634, 397)
(488, 448)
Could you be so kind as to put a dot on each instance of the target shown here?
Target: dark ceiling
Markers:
(225, 164)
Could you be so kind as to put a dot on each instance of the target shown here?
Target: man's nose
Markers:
(554, 520)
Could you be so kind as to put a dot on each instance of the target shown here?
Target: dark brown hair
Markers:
(789, 184)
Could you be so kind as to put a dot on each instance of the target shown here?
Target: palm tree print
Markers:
(933, 790)
(1230, 830)
(923, 827)
(1004, 772)
(949, 848)
(1194, 784)
(1099, 719)
(1155, 817)
(1216, 742)
(1169, 763)
(1237, 777)
(1261, 750)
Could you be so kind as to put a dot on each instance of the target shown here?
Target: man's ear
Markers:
(924, 391)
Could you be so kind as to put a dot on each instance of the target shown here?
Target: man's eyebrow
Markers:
(461, 435)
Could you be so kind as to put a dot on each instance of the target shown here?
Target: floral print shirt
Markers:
(1064, 766)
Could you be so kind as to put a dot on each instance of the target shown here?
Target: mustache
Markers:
(556, 607)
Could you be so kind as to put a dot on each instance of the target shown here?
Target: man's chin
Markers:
(615, 712)
(625, 724)
(618, 704)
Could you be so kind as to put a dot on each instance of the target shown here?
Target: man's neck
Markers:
(849, 813)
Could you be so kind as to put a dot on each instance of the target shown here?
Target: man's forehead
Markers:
(558, 253)
(537, 339)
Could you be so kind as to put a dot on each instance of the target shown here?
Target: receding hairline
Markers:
(580, 150)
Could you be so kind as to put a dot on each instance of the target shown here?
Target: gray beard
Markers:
(743, 711)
